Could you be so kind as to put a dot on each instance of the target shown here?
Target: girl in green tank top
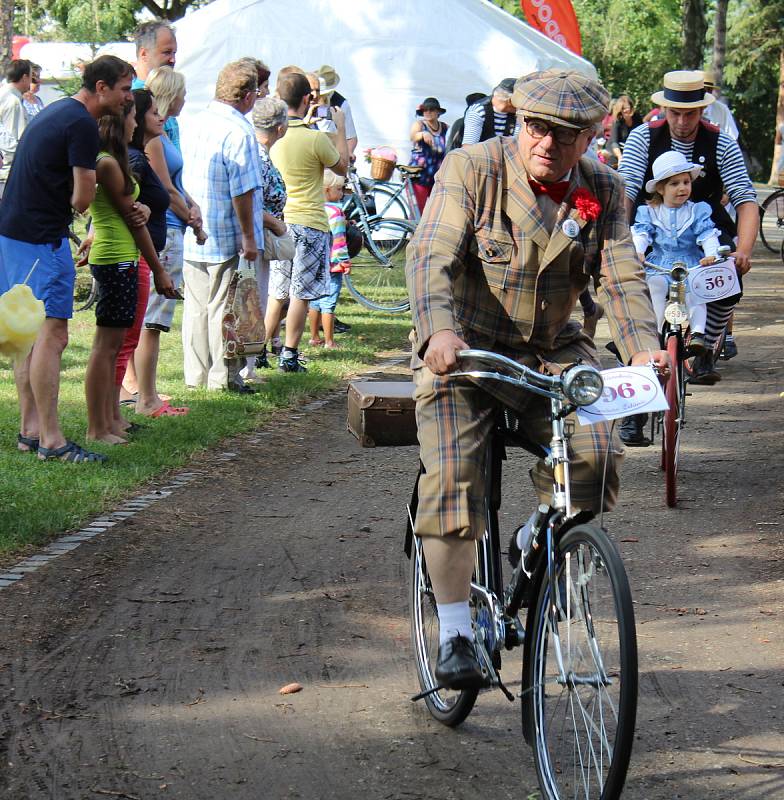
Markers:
(113, 257)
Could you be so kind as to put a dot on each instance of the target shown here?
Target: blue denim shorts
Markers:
(52, 280)
(328, 303)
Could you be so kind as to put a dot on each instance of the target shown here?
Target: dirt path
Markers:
(147, 663)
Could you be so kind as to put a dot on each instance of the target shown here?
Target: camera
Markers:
(323, 112)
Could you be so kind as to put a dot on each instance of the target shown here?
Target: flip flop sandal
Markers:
(70, 453)
(130, 401)
(30, 443)
(168, 410)
(135, 427)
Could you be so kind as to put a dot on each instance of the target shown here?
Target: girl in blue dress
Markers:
(676, 229)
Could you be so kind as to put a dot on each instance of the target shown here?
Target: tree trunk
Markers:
(6, 32)
(777, 148)
(694, 30)
(719, 42)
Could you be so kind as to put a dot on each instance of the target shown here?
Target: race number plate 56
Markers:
(627, 391)
(713, 283)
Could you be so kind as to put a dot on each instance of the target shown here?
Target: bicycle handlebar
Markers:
(721, 258)
(565, 386)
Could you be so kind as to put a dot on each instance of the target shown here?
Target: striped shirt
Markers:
(338, 257)
(732, 168)
(475, 120)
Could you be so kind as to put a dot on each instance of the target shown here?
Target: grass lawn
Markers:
(38, 500)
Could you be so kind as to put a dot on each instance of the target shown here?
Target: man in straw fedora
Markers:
(683, 129)
(515, 229)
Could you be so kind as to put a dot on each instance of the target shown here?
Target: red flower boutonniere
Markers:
(587, 204)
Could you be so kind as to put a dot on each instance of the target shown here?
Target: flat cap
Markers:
(564, 97)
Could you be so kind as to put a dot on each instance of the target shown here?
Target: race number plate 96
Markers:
(627, 391)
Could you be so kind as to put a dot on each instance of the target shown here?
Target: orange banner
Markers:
(556, 20)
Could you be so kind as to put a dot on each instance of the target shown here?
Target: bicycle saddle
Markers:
(409, 170)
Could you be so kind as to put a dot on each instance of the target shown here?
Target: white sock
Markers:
(454, 619)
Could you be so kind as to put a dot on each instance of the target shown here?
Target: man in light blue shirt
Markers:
(222, 173)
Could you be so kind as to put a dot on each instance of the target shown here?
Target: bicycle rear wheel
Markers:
(447, 706)
(673, 423)
(377, 278)
(583, 671)
(772, 221)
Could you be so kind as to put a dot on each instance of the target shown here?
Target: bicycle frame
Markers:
(504, 604)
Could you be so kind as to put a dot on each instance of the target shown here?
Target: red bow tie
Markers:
(555, 191)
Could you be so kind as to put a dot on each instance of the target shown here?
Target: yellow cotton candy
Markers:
(21, 317)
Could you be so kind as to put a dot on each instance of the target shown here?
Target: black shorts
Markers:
(118, 287)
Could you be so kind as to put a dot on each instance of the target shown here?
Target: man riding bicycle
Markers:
(515, 229)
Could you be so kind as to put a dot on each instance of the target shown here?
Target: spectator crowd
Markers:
(252, 183)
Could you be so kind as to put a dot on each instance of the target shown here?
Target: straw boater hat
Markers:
(683, 89)
(709, 80)
(668, 164)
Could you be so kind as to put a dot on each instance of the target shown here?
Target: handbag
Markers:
(278, 248)
(243, 320)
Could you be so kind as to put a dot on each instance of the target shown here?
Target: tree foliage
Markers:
(93, 21)
(631, 44)
(752, 75)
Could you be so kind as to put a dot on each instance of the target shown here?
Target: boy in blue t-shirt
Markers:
(52, 176)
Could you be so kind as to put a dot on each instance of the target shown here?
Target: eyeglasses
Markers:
(539, 129)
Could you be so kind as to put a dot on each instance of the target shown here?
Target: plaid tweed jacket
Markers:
(482, 262)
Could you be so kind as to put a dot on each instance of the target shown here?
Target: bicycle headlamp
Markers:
(582, 385)
(679, 271)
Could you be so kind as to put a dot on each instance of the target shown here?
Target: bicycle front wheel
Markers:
(390, 203)
(673, 423)
(377, 278)
(447, 706)
(582, 671)
(772, 221)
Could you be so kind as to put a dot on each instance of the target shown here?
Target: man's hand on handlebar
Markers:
(441, 354)
(661, 362)
(742, 261)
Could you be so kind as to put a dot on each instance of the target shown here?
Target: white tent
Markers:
(390, 54)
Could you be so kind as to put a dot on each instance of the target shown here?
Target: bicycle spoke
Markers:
(580, 705)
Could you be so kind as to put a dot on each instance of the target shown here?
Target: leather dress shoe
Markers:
(458, 665)
(631, 431)
(703, 373)
(240, 388)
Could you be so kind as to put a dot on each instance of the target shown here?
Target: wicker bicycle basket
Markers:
(381, 169)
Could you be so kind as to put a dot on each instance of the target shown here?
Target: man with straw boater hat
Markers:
(683, 129)
(515, 229)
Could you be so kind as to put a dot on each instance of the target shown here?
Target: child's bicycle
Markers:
(579, 681)
(670, 423)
